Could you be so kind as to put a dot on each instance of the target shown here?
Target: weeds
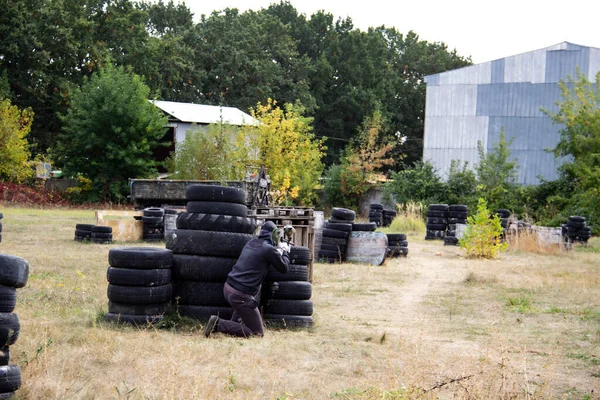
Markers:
(408, 220)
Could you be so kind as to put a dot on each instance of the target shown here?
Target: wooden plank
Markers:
(124, 227)
(367, 247)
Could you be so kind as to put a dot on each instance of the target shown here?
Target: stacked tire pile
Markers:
(376, 213)
(336, 233)
(437, 222)
(397, 245)
(93, 233)
(139, 284)
(286, 298)
(388, 217)
(576, 230)
(153, 224)
(208, 240)
(504, 215)
(457, 214)
(14, 272)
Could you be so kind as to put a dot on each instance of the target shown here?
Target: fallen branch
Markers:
(453, 380)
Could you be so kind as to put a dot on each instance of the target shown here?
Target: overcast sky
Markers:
(484, 30)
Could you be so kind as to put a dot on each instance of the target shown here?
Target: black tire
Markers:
(101, 241)
(14, 271)
(8, 299)
(138, 277)
(438, 207)
(299, 255)
(436, 220)
(86, 234)
(101, 229)
(216, 223)
(101, 235)
(200, 293)
(576, 225)
(390, 213)
(153, 221)
(288, 307)
(399, 243)
(153, 212)
(458, 214)
(503, 211)
(454, 221)
(339, 226)
(396, 236)
(139, 309)
(457, 207)
(343, 213)
(276, 321)
(4, 356)
(206, 243)
(138, 320)
(220, 208)
(294, 273)
(436, 214)
(434, 233)
(226, 194)
(140, 294)
(10, 378)
(84, 227)
(336, 241)
(203, 313)
(364, 227)
(201, 268)
(375, 214)
(576, 218)
(288, 290)
(332, 233)
(376, 206)
(9, 328)
(140, 257)
(436, 227)
(397, 251)
(340, 221)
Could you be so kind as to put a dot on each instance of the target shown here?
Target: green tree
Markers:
(496, 175)
(109, 132)
(285, 144)
(421, 183)
(482, 236)
(462, 184)
(15, 125)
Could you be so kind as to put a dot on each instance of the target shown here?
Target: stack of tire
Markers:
(437, 222)
(14, 272)
(286, 298)
(388, 217)
(397, 245)
(364, 227)
(139, 284)
(576, 230)
(376, 213)
(208, 240)
(336, 233)
(457, 214)
(101, 234)
(153, 224)
(83, 232)
(504, 215)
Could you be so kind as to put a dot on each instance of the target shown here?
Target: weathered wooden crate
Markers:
(292, 212)
(124, 227)
(367, 247)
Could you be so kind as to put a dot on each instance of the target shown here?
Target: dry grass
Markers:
(433, 325)
(409, 220)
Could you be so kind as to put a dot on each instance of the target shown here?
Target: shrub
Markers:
(482, 236)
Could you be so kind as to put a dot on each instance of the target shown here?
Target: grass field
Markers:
(433, 325)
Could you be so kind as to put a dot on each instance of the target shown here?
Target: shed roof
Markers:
(204, 114)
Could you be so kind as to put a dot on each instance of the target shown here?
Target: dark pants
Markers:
(245, 307)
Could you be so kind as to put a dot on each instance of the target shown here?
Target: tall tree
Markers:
(110, 131)
(15, 125)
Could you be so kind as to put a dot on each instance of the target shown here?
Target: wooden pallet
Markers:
(292, 212)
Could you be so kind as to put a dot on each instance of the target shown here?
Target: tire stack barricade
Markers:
(457, 214)
(437, 222)
(504, 215)
(397, 245)
(153, 220)
(14, 272)
(336, 233)
(576, 230)
(83, 232)
(139, 284)
(208, 240)
(388, 217)
(286, 298)
(101, 234)
(376, 213)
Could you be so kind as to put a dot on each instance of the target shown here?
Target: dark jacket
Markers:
(252, 266)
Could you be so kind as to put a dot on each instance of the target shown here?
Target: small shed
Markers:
(183, 116)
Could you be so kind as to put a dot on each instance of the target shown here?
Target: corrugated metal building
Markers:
(473, 103)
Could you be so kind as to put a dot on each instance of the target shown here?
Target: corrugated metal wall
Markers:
(475, 103)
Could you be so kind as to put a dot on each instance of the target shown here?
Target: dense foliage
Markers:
(14, 151)
(482, 238)
(109, 133)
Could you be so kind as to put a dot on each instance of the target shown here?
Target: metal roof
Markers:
(204, 114)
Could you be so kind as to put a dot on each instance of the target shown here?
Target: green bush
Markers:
(482, 236)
